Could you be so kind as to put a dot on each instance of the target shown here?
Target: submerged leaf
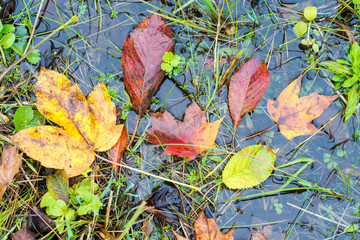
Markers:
(247, 86)
(142, 57)
(86, 125)
(194, 135)
(249, 168)
(294, 114)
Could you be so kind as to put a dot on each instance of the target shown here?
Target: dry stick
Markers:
(108, 208)
(73, 19)
(150, 174)
(135, 130)
(33, 29)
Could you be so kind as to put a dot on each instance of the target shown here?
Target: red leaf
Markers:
(194, 134)
(247, 87)
(118, 149)
(142, 58)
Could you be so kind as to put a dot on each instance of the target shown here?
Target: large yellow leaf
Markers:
(86, 125)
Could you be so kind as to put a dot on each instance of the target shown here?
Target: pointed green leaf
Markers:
(58, 185)
(249, 168)
(355, 53)
(352, 102)
(7, 40)
(336, 67)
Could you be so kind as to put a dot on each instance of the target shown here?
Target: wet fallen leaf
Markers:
(166, 203)
(194, 135)
(142, 58)
(87, 125)
(249, 169)
(117, 151)
(39, 222)
(247, 86)
(208, 229)
(9, 166)
(293, 114)
(58, 185)
(23, 234)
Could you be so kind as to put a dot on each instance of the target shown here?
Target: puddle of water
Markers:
(97, 56)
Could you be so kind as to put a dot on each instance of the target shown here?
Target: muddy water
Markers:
(90, 51)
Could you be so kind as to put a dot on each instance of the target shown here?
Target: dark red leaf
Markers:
(247, 86)
(118, 149)
(165, 202)
(142, 58)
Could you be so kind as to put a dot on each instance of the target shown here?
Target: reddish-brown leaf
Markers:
(142, 58)
(194, 135)
(23, 234)
(247, 86)
(208, 229)
(117, 151)
(9, 166)
(294, 114)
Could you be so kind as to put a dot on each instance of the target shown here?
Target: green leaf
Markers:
(175, 61)
(168, 56)
(350, 81)
(47, 200)
(300, 29)
(315, 47)
(352, 102)
(166, 67)
(8, 40)
(70, 214)
(336, 67)
(58, 209)
(8, 28)
(34, 57)
(310, 13)
(58, 185)
(355, 53)
(1, 26)
(343, 61)
(248, 169)
(23, 117)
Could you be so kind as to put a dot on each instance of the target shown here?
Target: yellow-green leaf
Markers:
(250, 167)
(310, 13)
(58, 185)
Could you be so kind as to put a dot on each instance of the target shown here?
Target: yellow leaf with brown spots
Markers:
(86, 125)
(294, 114)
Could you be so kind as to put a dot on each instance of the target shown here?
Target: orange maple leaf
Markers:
(208, 229)
(194, 135)
(294, 114)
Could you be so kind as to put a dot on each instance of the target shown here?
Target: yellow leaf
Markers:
(86, 125)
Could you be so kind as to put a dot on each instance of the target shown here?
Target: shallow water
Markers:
(87, 52)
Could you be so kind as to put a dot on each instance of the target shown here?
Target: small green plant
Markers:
(172, 64)
(301, 28)
(278, 207)
(26, 117)
(347, 77)
(64, 203)
(113, 14)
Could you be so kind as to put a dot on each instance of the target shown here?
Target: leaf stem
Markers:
(73, 19)
(134, 133)
(3, 56)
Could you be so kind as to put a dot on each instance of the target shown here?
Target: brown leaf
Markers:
(247, 86)
(293, 114)
(9, 166)
(208, 229)
(23, 234)
(116, 152)
(142, 58)
(39, 222)
(194, 134)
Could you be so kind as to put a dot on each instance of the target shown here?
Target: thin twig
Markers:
(34, 26)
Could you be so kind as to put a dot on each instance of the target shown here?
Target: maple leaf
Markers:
(293, 114)
(9, 166)
(87, 125)
(194, 134)
(142, 57)
(208, 229)
(247, 86)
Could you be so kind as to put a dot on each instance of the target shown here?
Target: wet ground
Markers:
(91, 50)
